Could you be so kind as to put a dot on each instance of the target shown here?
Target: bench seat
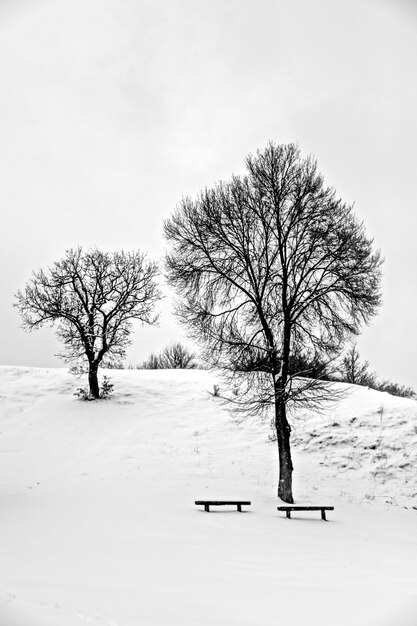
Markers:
(208, 503)
(292, 507)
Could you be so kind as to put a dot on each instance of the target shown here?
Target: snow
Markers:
(98, 524)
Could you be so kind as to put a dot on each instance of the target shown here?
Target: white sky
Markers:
(112, 110)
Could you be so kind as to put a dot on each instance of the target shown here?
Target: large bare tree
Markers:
(268, 267)
(92, 297)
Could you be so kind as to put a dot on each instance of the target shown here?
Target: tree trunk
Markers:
(284, 451)
(93, 380)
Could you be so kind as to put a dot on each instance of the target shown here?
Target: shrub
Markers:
(106, 388)
(153, 362)
(395, 389)
(106, 391)
(175, 356)
(353, 370)
(216, 391)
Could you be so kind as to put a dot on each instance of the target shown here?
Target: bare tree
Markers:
(266, 266)
(355, 371)
(175, 356)
(153, 362)
(92, 297)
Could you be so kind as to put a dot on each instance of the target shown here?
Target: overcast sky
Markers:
(112, 110)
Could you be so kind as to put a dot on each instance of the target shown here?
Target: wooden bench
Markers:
(208, 503)
(290, 508)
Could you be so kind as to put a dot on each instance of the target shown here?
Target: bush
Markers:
(216, 391)
(153, 362)
(352, 370)
(395, 389)
(83, 394)
(175, 356)
(106, 390)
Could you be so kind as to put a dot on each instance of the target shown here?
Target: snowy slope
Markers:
(98, 524)
(366, 443)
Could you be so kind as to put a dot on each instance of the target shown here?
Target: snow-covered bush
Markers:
(106, 390)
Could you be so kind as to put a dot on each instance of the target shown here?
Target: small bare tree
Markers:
(153, 362)
(355, 371)
(177, 356)
(267, 266)
(92, 297)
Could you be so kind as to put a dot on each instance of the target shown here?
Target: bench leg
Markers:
(207, 508)
(239, 508)
(288, 514)
(323, 514)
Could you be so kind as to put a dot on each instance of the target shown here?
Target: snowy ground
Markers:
(98, 524)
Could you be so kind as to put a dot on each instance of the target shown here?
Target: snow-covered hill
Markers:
(366, 444)
(98, 523)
